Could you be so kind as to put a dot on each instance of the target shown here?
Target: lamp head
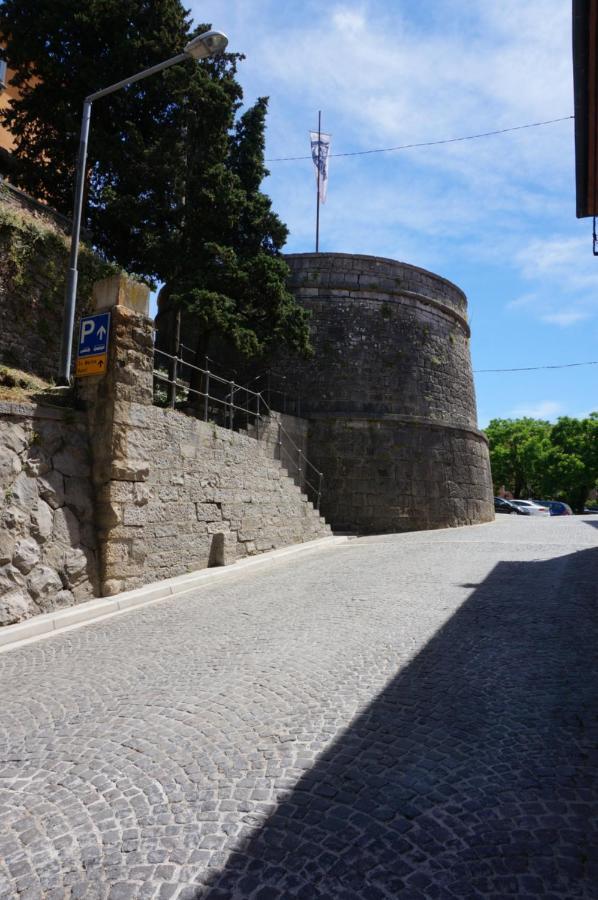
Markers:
(207, 44)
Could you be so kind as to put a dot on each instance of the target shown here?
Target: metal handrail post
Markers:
(299, 469)
(319, 497)
(174, 363)
(257, 417)
(207, 395)
(231, 411)
(173, 382)
(280, 441)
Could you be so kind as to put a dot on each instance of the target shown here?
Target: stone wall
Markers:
(389, 395)
(391, 475)
(191, 489)
(48, 549)
(175, 493)
(17, 199)
(285, 438)
(127, 493)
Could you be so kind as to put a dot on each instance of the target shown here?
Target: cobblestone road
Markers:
(408, 716)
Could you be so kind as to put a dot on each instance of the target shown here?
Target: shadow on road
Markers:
(473, 774)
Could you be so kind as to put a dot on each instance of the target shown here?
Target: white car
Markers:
(529, 508)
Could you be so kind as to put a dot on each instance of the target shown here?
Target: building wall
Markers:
(389, 395)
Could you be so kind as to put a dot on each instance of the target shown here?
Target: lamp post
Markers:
(201, 47)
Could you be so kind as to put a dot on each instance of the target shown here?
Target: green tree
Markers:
(174, 172)
(518, 452)
(62, 51)
(534, 458)
(231, 278)
(573, 462)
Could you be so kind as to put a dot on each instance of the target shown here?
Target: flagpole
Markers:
(318, 190)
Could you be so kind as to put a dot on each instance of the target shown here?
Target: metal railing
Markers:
(231, 405)
(301, 465)
(274, 386)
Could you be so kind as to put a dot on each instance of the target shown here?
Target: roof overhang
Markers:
(585, 81)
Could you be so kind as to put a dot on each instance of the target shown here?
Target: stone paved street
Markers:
(406, 716)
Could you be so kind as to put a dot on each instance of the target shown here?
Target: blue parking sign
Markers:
(92, 353)
(94, 334)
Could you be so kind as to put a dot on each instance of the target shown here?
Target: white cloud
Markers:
(385, 75)
(548, 409)
(565, 318)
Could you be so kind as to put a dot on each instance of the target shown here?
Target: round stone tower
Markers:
(389, 395)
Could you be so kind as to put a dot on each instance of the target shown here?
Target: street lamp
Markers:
(201, 47)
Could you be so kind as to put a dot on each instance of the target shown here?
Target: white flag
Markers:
(320, 153)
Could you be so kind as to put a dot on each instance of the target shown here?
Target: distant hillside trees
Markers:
(175, 170)
(534, 458)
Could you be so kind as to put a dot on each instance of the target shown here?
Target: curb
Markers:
(48, 624)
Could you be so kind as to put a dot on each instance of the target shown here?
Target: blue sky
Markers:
(495, 215)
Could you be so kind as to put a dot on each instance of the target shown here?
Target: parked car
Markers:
(592, 510)
(530, 508)
(558, 508)
(504, 506)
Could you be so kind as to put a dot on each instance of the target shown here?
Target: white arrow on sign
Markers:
(101, 332)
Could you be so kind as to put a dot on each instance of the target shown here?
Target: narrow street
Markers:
(404, 716)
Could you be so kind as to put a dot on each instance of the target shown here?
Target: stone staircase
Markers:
(267, 437)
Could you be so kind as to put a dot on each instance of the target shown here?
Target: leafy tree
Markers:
(534, 458)
(518, 452)
(573, 464)
(174, 173)
(232, 278)
(62, 51)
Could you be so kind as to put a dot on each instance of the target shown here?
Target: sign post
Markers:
(92, 352)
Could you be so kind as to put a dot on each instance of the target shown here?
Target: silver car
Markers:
(529, 508)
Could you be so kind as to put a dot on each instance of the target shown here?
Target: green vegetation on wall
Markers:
(33, 268)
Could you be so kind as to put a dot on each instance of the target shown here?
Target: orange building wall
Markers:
(8, 93)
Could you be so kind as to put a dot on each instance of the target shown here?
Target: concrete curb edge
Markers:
(48, 624)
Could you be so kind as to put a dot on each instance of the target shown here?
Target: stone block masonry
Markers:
(126, 493)
(175, 493)
(48, 545)
(389, 395)
(186, 486)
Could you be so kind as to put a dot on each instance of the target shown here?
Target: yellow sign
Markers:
(91, 365)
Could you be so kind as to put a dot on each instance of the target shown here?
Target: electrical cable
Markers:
(467, 137)
(593, 362)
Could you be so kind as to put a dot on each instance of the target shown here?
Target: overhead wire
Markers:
(467, 137)
(593, 362)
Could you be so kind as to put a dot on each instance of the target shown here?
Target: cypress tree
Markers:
(174, 171)
(62, 51)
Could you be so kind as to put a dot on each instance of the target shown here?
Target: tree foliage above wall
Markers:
(175, 170)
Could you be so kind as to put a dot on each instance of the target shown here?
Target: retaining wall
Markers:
(175, 493)
(127, 493)
(48, 546)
